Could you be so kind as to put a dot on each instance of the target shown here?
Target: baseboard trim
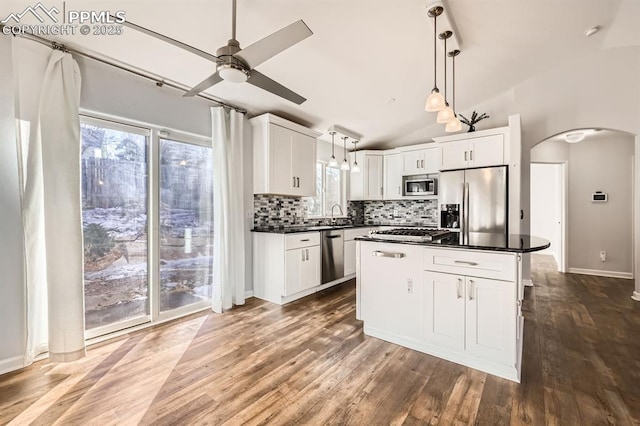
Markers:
(11, 364)
(248, 294)
(599, 273)
(636, 296)
(527, 283)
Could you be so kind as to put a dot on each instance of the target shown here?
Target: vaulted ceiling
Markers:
(369, 64)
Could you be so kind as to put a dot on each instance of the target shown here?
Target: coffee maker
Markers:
(450, 216)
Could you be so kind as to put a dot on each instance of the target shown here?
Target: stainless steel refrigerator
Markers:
(474, 201)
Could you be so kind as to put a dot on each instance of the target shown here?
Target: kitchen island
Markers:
(460, 301)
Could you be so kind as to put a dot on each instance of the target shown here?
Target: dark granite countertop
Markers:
(292, 229)
(515, 243)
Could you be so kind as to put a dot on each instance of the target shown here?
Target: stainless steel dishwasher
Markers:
(332, 242)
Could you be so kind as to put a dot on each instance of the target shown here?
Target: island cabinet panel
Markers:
(391, 292)
(444, 310)
(491, 313)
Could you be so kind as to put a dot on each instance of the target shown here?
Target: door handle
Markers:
(298, 182)
(417, 164)
(459, 289)
(306, 239)
(471, 289)
(333, 236)
(307, 250)
(302, 252)
(422, 163)
(471, 155)
(465, 262)
(379, 253)
(465, 156)
(398, 190)
(294, 182)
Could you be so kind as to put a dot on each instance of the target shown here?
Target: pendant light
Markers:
(435, 101)
(355, 168)
(345, 163)
(455, 124)
(333, 162)
(445, 114)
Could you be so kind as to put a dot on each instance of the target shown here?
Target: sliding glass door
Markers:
(186, 224)
(147, 214)
(114, 219)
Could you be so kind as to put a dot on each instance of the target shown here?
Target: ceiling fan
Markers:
(237, 65)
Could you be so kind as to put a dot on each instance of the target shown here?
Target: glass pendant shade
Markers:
(453, 125)
(445, 115)
(355, 168)
(435, 101)
(333, 162)
(345, 165)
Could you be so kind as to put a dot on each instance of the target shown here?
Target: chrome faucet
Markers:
(341, 212)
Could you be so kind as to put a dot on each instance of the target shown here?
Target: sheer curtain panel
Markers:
(228, 194)
(52, 217)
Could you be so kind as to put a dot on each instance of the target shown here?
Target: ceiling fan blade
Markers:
(172, 41)
(273, 44)
(210, 81)
(262, 81)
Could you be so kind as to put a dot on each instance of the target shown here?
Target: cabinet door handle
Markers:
(465, 156)
(298, 179)
(422, 163)
(302, 252)
(465, 262)
(307, 250)
(398, 190)
(471, 155)
(379, 253)
(459, 289)
(294, 182)
(417, 164)
(471, 289)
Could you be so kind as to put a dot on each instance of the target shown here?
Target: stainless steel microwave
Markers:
(419, 185)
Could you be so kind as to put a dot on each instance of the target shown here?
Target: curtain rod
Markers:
(159, 82)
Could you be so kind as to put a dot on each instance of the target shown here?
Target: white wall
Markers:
(12, 306)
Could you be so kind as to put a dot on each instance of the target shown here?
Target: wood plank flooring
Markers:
(309, 363)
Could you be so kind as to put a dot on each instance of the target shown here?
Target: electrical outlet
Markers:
(410, 286)
(603, 256)
(281, 212)
(395, 212)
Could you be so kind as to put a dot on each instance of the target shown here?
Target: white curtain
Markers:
(228, 210)
(52, 217)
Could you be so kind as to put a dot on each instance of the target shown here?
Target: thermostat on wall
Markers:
(599, 197)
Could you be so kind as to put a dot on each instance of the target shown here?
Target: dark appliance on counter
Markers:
(410, 234)
(474, 201)
(419, 186)
(332, 245)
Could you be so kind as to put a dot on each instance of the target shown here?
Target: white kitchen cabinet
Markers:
(482, 151)
(284, 157)
(474, 315)
(302, 269)
(286, 267)
(421, 161)
(393, 167)
(350, 248)
(368, 183)
(391, 290)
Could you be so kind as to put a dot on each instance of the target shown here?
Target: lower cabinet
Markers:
(350, 248)
(286, 266)
(476, 315)
(302, 269)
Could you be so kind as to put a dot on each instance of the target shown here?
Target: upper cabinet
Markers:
(393, 167)
(368, 183)
(284, 157)
(420, 161)
(481, 151)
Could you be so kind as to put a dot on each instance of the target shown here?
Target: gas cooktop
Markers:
(411, 234)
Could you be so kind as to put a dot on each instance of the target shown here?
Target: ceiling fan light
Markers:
(435, 101)
(453, 125)
(232, 74)
(445, 115)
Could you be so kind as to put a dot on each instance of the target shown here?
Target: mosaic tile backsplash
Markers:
(278, 211)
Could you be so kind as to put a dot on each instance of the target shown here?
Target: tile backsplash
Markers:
(277, 210)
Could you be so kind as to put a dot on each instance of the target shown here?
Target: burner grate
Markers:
(411, 234)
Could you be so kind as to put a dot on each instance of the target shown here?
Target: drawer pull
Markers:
(379, 253)
(465, 262)
(459, 290)
(306, 239)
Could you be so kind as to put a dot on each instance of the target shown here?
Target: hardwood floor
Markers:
(309, 363)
